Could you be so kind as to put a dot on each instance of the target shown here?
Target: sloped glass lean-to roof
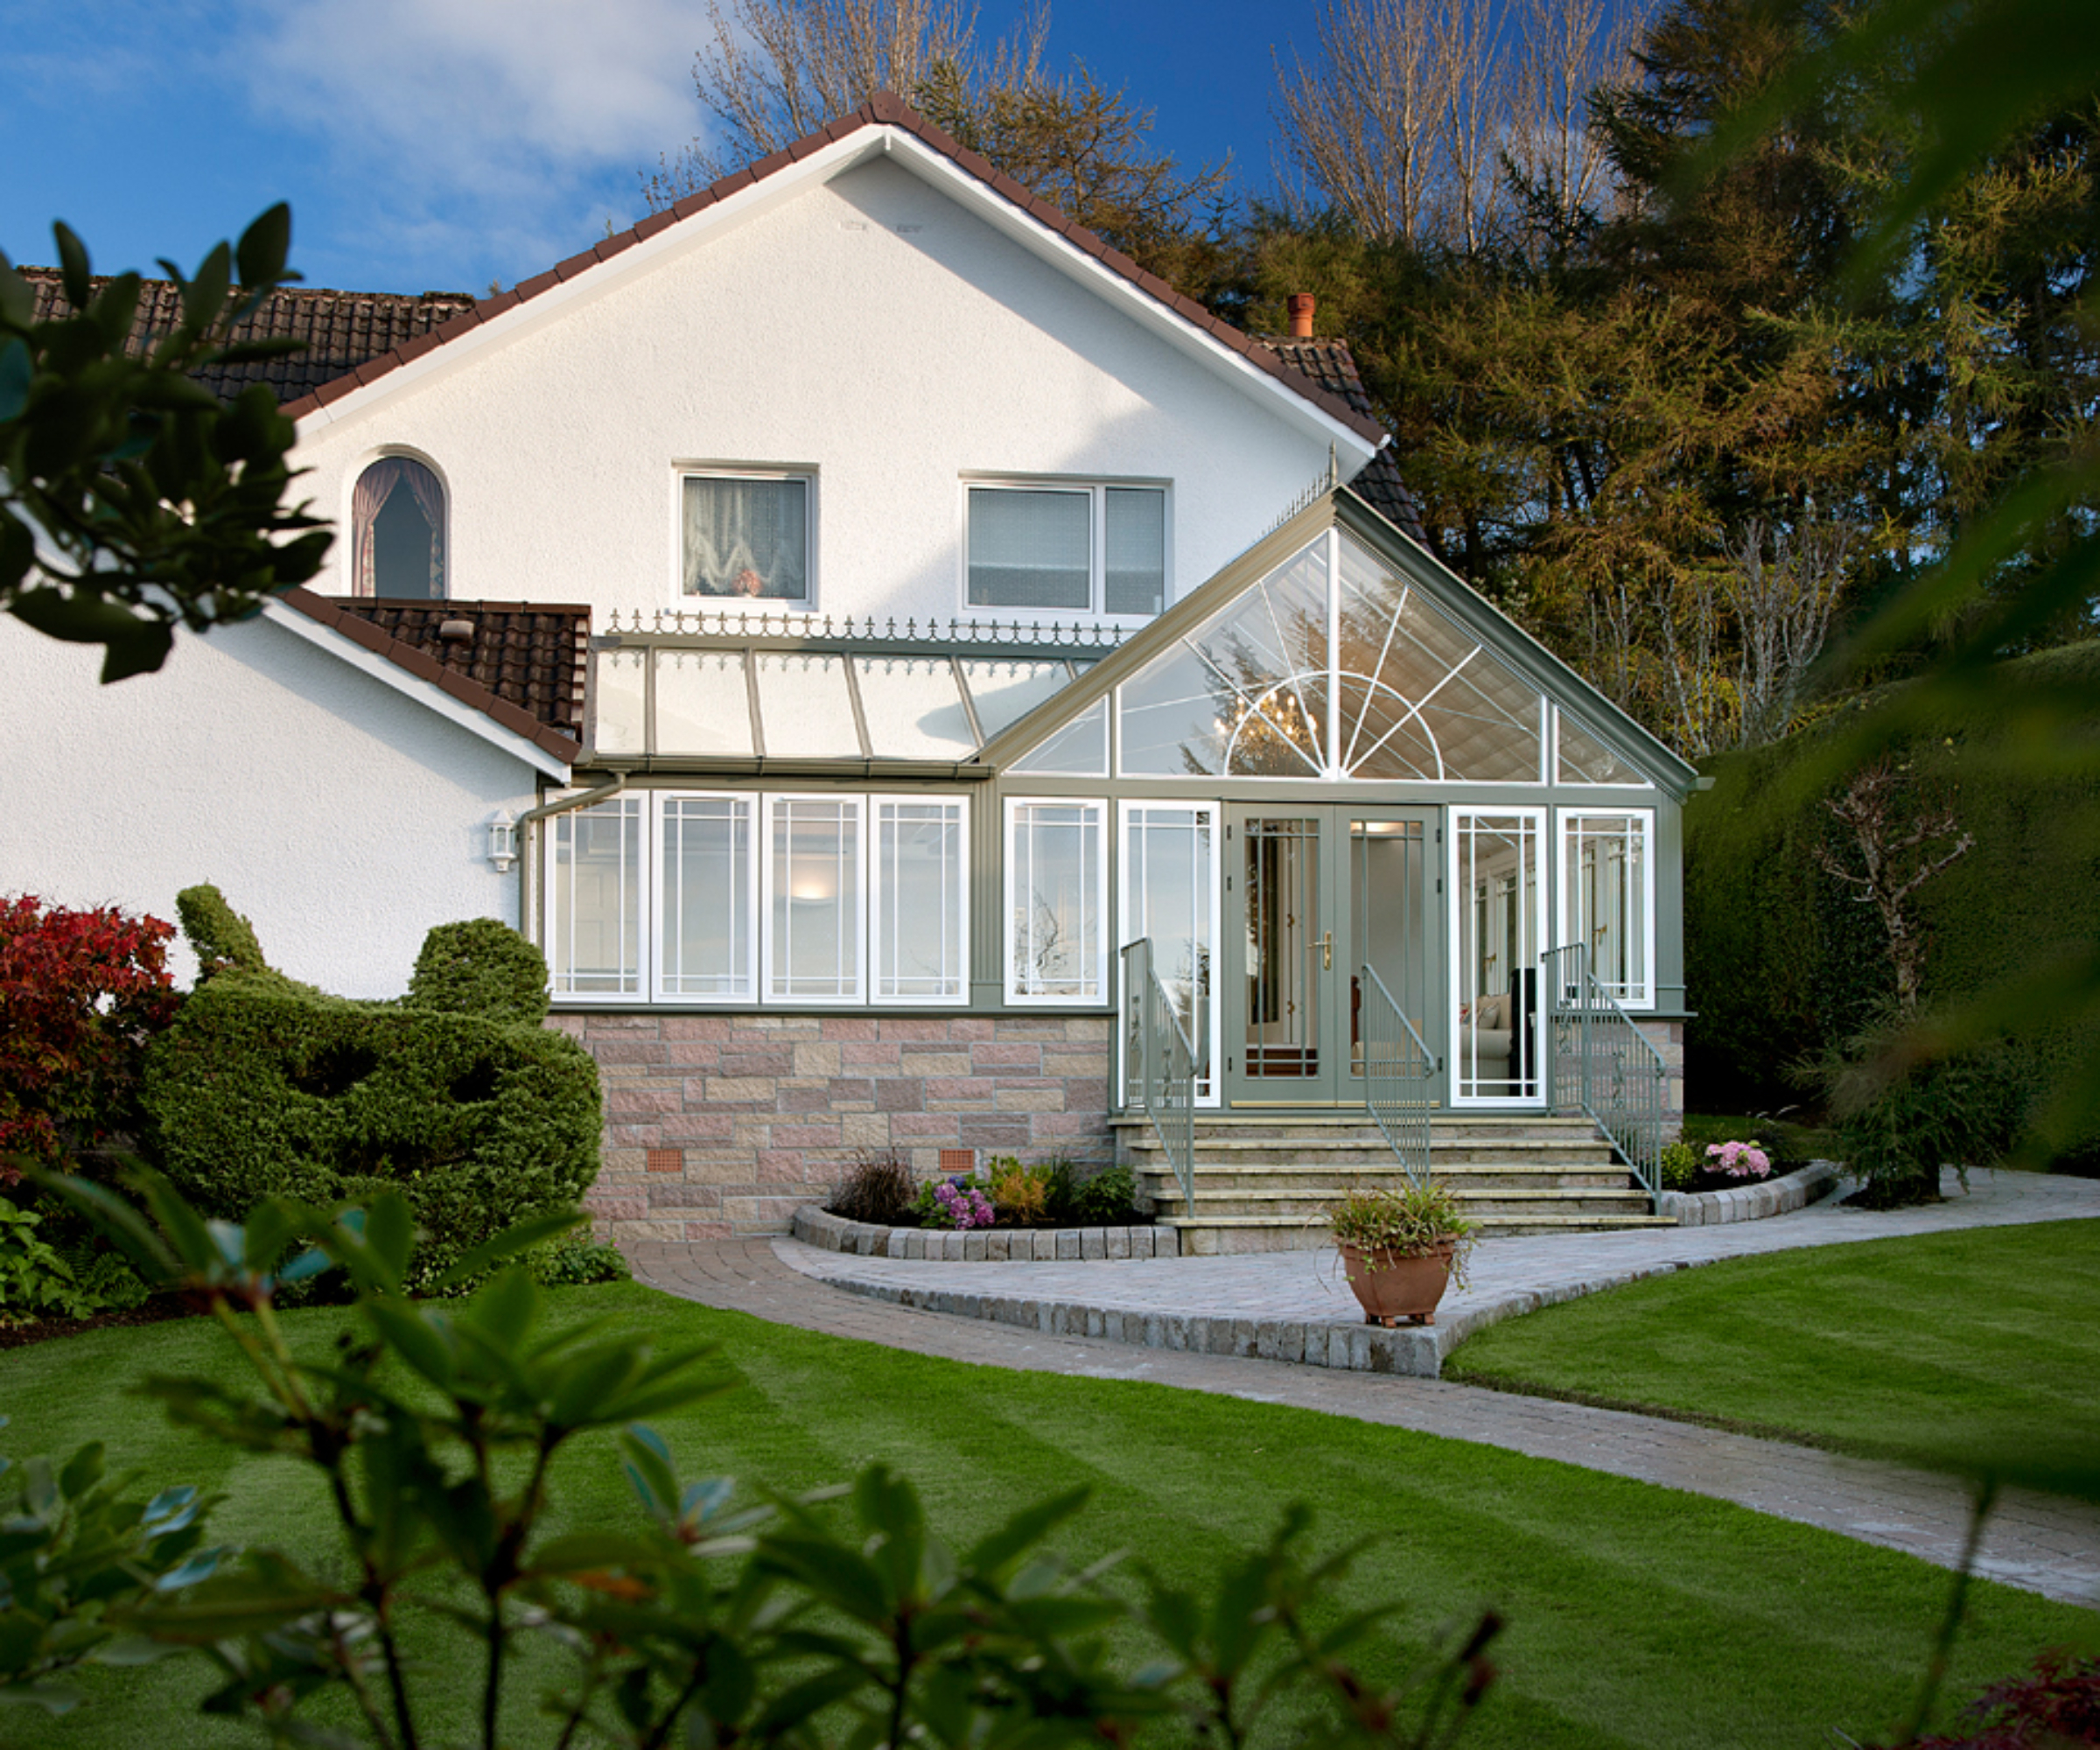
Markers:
(722, 694)
(1334, 665)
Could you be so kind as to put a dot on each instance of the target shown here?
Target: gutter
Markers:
(527, 861)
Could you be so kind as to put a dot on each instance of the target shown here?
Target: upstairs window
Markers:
(397, 531)
(748, 536)
(1067, 549)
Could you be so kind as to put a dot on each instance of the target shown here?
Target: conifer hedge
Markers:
(1781, 962)
(263, 1087)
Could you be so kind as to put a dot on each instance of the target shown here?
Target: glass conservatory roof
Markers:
(1334, 665)
(746, 687)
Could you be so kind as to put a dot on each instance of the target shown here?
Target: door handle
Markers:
(1326, 952)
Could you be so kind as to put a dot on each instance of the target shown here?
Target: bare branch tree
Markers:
(1894, 865)
(1360, 121)
(1417, 120)
(772, 70)
(1782, 588)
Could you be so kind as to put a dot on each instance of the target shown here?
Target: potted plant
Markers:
(1399, 1248)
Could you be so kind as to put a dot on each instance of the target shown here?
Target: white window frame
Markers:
(1097, 557)
(1213, 1092)
(1460, 889)
(1641, 826)
(633, 807)
(660, 937)
(1016, 997)
(857, 997)
(681, 474)
(958, 992)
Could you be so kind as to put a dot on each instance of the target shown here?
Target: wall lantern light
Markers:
(503, 843)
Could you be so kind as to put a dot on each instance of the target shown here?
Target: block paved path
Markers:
(2040, 1542)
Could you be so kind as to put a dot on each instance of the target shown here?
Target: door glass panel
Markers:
(1169, 882)
(1497, 889)
(1388, 922)
(1284, 947)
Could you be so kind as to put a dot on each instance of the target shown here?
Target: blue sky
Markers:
(438, 144)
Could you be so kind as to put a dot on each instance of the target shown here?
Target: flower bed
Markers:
(816, 1226)
(1752, 1202)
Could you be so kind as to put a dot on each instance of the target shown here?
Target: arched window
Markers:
(397, 531)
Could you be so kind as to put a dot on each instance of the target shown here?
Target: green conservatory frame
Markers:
(1323, 798)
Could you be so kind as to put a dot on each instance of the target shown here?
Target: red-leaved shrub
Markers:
(81, 994)
(2058, 1703)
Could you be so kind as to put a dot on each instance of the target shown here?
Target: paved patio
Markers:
(2040, 1542)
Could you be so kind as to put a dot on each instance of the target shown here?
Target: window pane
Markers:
(1497, 857)
(748, 538)
(1054, 925)
(1030, 548)
(1583, 759)
(815, 949)
(1247, 688)
(1605, 882)
(397, 531)
(913, 707)
(1135, 519)
(1005, 692)
(594, 900)
(708, 908)
(1079, 750)
(703, 704)
(1168, 882)
(921, 900)
(804, 708)
(617, 701)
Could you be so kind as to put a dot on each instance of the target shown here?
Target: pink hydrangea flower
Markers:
(964, 1208)
(1739, 1160)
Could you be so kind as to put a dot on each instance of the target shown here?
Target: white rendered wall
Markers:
(341, 817)
(869, 329)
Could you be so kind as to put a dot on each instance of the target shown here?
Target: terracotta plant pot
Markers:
(1394, 1286)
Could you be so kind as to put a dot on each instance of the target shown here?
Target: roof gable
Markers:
(887, 127)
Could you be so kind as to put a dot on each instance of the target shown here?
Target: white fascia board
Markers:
(1352, 449)
(430, 698)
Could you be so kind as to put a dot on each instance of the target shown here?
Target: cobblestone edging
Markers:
(1797, 1190)
(815, 1226)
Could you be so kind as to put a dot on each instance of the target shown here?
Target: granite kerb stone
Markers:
(816, 1226)
(1779, 1196)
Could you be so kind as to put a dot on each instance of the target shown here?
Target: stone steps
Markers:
(1266, 1181)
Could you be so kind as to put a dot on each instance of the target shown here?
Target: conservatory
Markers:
(1332, 775)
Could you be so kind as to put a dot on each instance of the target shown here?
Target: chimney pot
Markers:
(1300, 305)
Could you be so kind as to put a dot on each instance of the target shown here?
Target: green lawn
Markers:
(1930, 1349)
(1637, 1616)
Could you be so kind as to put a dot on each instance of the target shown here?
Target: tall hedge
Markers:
(262, 1086)
(1781, 961)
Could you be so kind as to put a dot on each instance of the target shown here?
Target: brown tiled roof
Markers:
(524, 666)
(1330, 364)
(881, 110)
(341, 329)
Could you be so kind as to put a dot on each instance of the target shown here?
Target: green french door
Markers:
(1312, 896)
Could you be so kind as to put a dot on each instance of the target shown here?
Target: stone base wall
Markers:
(1668, 1037)
(723, 1125)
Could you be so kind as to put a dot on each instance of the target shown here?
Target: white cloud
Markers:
(482, 86)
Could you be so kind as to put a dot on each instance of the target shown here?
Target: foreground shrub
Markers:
(705, 1621)
(2057, 1702)
(81, 995)
(263, 1088)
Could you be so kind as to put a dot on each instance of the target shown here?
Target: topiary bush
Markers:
(263, 1088)
(220, 937)
(480, 967)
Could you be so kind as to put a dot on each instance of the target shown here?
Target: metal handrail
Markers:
(1624, 1079)
(1397, 1073)
(1160, 1065)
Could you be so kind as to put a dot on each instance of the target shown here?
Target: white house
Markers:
(836, 619)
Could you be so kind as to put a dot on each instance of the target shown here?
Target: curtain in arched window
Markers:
(386, 566)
